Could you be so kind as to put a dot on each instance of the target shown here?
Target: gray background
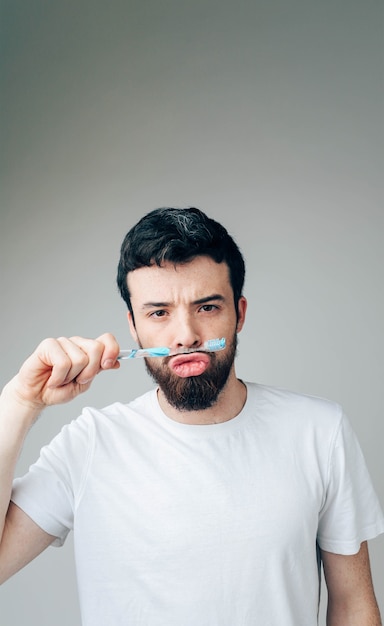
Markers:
(268, 115)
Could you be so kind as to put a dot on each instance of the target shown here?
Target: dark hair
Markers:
(178, 235)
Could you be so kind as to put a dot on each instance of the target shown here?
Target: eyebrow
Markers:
(216, 297)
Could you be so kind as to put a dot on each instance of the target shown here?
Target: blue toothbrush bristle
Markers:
(215, 344)
(158, 351)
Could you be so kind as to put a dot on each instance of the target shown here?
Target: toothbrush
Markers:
(212, 345)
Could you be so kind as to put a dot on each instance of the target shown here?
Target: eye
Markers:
(158, 313)
(207, 308)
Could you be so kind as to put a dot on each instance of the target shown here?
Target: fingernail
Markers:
(107, 363)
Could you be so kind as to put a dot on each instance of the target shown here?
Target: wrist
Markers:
(17, 407)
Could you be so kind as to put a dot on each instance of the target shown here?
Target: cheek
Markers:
(145, 339)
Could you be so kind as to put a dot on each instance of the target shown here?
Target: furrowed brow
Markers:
(155, 305)
(212, 298)
(158, 305)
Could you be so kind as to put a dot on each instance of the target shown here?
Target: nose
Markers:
(186, 332)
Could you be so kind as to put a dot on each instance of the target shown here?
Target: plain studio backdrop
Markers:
(268, 115)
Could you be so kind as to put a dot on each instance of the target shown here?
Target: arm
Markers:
(58, 371)
(351, 598)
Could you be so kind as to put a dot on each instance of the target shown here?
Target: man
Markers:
(208, 501)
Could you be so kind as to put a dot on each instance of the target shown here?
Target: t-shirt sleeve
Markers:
(351, 512)
(50, 491)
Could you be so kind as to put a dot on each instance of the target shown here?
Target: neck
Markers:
(229, 404)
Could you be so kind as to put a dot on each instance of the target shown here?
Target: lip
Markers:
(193, 364)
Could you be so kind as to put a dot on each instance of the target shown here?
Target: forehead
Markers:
(199, 277)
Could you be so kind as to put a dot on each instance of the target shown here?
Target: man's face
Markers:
(182, 307)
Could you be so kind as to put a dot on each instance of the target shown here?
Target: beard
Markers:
(194, 393)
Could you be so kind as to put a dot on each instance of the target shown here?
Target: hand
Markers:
(61, 369)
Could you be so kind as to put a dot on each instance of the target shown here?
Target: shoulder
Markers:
(116, 411)
(292, 408)
(94, 422)
(289, 399)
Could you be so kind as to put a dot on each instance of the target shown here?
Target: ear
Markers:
(242, 309)
(132, 328)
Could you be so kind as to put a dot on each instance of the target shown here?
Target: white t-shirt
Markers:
(217, 525)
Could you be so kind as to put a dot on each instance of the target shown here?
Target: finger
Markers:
(48, 364)
(93, 350)
(68, 361)
(102, 353)
(110, 352)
